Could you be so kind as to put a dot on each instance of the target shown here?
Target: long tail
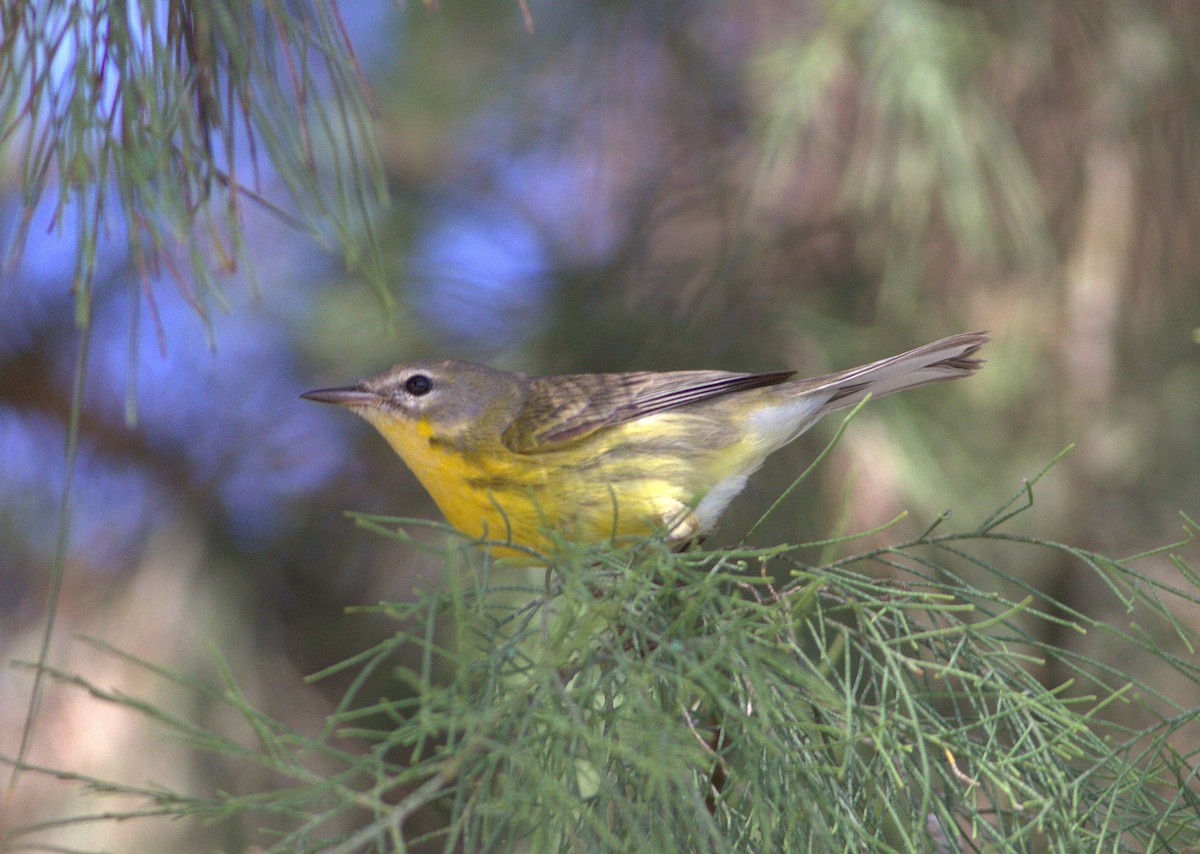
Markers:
(940, 361)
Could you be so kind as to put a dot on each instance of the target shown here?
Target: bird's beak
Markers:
(343, 396)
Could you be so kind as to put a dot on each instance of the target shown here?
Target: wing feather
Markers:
(566, 408)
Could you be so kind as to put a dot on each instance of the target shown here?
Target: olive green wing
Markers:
(567, 408)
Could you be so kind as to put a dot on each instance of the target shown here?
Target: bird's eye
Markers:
(418, 384)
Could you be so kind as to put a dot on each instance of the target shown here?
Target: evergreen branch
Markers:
(641, 699)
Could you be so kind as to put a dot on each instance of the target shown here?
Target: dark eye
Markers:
(418, 384)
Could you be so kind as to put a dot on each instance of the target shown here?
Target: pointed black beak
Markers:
(343, 396)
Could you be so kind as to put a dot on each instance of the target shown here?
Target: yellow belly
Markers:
(632, 481)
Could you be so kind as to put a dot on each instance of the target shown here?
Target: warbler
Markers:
(519, 460)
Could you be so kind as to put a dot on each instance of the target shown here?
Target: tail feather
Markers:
(939, 361)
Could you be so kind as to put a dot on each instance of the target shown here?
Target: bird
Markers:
(525, 462)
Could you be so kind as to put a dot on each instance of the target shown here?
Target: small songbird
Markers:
(519, 460)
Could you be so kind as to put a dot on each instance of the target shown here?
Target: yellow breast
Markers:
(609, 487)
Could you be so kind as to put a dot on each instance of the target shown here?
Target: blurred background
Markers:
(631, 185)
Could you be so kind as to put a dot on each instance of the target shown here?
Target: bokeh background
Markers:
(631, 185)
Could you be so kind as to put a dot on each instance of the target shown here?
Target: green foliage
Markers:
(931, 147)
(159, 113)
(155, 115)
(637, 699)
